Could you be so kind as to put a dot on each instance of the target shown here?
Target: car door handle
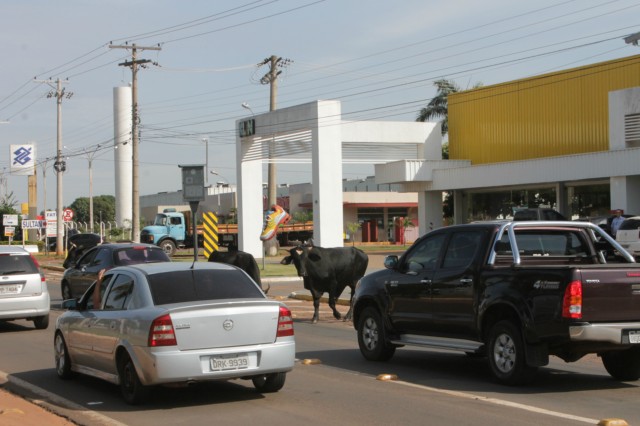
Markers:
(425, 281)
(466, 280)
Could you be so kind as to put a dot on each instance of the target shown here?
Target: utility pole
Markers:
(60, 166)
(90, 156)
(134, 63)
(271, 78)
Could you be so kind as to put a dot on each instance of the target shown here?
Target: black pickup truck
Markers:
(515, 292)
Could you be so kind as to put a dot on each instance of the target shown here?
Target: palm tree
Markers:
(438, 106)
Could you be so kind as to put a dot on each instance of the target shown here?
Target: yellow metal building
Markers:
(560, 113)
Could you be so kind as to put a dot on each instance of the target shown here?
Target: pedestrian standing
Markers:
(616, 222)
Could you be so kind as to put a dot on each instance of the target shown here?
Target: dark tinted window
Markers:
(197, 285)
(630, 224)
(141, 254)
(120, 293)
(103, 258)
(545, 243)
(462, 249)
(424, 255)
(17, 264)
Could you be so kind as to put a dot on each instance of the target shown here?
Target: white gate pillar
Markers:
(327, 175)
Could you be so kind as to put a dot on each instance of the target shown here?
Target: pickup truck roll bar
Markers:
(595, 232)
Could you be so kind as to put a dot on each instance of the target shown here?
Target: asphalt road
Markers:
(335, 384)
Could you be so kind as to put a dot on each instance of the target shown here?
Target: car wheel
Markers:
(66, 291)
(42, 322)
(169, 247)
(372, 336)
(622, 365)
(133, 391)
(269, 382)
(505, 352)
(63, 362)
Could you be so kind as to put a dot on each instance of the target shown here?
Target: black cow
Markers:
(242, 260)
(328, 270)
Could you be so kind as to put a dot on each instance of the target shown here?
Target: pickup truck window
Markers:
(462, 249)
(546, 243)
(424, 256)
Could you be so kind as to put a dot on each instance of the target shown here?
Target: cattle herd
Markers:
(323, 270)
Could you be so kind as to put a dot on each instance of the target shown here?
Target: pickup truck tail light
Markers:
(285, 323)
(572, 302)
(161, 332)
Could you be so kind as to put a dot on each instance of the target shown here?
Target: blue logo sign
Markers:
(22, 156)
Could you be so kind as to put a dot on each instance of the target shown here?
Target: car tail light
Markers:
(285, 323)
(35, 262)
(572, 303)
(162, 333)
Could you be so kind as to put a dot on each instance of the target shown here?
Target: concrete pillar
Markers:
(250, 217)
(624, 190)
(429, 211)
(327, 175)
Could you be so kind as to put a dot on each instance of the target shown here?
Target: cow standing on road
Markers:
(328, 270)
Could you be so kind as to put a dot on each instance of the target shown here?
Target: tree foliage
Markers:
(104, 207)
(438, 106)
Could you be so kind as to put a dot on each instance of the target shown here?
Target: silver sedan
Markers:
(175, 323)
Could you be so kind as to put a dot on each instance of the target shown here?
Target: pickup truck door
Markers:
(409, 287)
(452, 287)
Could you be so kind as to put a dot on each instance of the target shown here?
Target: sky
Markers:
(378, 58)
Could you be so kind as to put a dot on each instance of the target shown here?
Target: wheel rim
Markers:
(504, 353)
(127, 379)
(370, 334)
(60, 355)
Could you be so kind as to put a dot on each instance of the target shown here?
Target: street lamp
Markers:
(219, 185)
(246, 106)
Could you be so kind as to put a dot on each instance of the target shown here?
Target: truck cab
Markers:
(169, 231)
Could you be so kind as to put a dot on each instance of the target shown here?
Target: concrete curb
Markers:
(324, 299)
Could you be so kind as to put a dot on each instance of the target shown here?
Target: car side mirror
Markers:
(391, 262)
(69, 304)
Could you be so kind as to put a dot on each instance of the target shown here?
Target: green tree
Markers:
(7, 206)
(438, 106)
(104, 206)
(353, 227)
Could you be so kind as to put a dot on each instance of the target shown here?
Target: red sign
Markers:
(67, 215)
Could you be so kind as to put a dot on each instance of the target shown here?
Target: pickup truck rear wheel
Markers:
(372, 336)
(623, 365)
(169, 247)
(505, 351)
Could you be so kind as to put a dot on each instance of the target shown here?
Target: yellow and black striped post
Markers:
(210, 234)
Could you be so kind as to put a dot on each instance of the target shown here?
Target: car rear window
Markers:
(200, 285)
(630, 225)
(545, 243)
(14, 264)
(136, 255)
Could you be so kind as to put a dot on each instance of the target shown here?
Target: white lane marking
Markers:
(65, 403)
(499, 402)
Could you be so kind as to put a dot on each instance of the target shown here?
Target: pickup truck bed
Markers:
(516, 292)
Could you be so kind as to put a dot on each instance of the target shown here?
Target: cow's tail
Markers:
(268, 288)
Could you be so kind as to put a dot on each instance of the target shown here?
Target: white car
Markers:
(175, 323)
(23, 287)
(628, 235)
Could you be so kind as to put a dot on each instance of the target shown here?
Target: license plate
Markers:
(634, 336)
(10, 289)
(229, 362)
